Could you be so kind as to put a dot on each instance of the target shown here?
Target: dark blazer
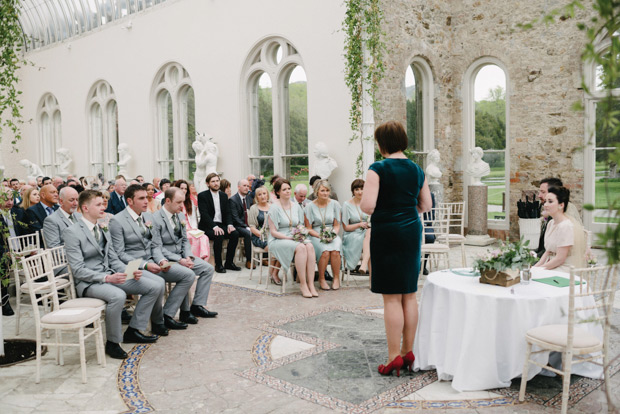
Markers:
(207, 210)
(19, 224)
(236, 209)
(115, 205)
(36, 215)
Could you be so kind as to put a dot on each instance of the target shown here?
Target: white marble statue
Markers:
(200, 174)
(64, 159)
(324, 164)
(34, 170)
(123, 159)
(477, 168)
(212, 152)
(433, 171)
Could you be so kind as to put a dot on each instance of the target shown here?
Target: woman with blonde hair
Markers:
(356, 224)
(259, 226)
(30, 198)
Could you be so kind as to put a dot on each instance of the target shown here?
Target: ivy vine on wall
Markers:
(11, 60)
(362, 28)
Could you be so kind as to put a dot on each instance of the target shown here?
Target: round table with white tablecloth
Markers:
(474, 334)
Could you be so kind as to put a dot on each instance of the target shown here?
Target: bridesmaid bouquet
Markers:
(300, 233)
(327, 235)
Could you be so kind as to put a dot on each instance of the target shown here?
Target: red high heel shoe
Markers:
(408, 361)
(396, 364)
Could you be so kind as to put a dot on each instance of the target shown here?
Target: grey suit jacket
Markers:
(129, 242)
(54, 225)
(89, 262)
(170, 246)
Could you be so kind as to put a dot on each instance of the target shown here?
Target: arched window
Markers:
(50, 137)
(485, 124)
(102, 113)
(601, 173)
(420, 108)
(275, 108)
(175, 117)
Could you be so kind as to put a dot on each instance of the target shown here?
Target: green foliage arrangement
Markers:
(362, 28)
(11, 59)
(509, 256)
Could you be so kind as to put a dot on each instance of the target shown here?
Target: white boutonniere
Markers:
(103, 227)
(149, 225)
(183, 223)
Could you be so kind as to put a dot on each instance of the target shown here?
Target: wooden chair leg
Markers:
(38, 375)
(82, 355)
(526, 367)
(567, 360)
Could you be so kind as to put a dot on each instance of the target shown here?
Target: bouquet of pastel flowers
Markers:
(300, 233)
(327, 234)
(509, 256)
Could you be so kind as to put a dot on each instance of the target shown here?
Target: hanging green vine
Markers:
(11, 60)
(362, 28)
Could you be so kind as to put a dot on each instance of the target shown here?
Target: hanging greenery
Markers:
(362, 28)
(11, 60)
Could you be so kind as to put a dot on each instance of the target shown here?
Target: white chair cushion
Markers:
(82, 303)
(60, 283)
(70, 316)
(558, 335)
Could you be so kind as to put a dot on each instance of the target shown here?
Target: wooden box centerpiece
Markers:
(502, 266)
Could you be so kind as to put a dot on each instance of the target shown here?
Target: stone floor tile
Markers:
(282, 346)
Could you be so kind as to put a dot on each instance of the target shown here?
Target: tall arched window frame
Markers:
(500, 220)
(174, 109)
(271, 69)
(50, 136)
(102, 115)
(600, 175)
(420, 97)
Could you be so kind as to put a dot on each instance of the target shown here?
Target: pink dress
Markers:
(200, 245)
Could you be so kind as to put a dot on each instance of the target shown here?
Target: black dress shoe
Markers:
(202, 312)
(187, 317)
(133, 335)
(159, 329)
(114, 350)
(125, 317)
(220, 269)
(425, 271)
(7, 310)
(172, 324)
(232, 266)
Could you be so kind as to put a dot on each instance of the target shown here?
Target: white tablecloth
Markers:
(474, 334)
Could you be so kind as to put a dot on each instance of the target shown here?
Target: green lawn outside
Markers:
(600, 199)
(496, 215)
(495, 196)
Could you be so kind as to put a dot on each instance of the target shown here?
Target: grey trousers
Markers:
(151, 291)
(204, 271)
(183, 278)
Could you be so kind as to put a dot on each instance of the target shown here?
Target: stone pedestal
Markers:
(437, 190)
(477, 216)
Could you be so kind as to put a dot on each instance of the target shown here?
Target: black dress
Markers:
(396, 235)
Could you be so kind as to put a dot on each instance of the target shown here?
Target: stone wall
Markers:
(544, 69)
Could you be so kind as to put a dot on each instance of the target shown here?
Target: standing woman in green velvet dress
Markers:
(395, 192)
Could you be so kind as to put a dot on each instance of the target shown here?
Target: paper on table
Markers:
(557, 281)
(132, 267)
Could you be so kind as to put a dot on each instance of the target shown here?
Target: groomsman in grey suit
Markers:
(99, 274)
(58, 221)
(132, 234)
(170, 238)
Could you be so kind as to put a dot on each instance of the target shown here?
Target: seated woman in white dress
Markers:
(284, 216)
(564, 238)
(323, 214)
(356, 237)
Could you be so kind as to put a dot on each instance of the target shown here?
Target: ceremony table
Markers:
(474, 333)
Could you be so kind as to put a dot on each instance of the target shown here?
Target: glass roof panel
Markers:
(45, 22)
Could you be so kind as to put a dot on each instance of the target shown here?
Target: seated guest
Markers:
(36, 214)
(30, 198)
(216, 221)
(571, 210)
(259, 226)
(98, 273)
(564, 238)
(313, 196)
(117, 201)
(193, 194)
(284, 216)
(254, 184)
(140, 179)
(65, 216)
(272, 182)
(170, 238)
(14, 185)
(301, 194)
(239, 205)
(107, 216)
(110, 188)
(131, 231)
(356, 236)
(153, 204)
(164, 184)
(45, 181)
(57, 181)
(226, 187)
(199, 242)
(40, 181)
(156, 181)
(12, 220)
(322, 213)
